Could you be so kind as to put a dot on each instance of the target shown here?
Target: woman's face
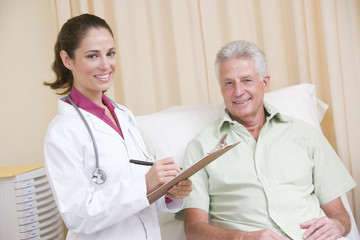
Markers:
(94, 63)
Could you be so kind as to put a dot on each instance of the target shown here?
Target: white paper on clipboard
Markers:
(185, 174)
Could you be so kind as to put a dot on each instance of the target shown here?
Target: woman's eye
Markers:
(92, 56)
(111, 54)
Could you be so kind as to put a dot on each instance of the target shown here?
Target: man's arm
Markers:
(335, 224)
(197, 227)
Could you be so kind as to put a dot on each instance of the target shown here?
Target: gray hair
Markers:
(242, 49)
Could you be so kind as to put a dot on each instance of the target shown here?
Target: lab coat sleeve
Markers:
(85, 209)
(173, 207)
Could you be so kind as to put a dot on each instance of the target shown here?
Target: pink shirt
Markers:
(84, 103)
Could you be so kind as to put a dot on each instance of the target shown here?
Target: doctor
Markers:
(89, 144)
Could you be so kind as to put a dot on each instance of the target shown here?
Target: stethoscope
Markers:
(98, 175)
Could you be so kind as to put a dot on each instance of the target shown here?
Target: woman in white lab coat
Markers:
(112, 205)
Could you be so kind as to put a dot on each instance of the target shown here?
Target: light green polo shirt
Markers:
(277, 183)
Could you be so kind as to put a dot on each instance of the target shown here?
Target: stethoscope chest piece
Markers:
(98, 176)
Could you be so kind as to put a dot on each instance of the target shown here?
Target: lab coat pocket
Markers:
(149, 220)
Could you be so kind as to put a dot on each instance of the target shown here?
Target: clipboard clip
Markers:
(222, 143)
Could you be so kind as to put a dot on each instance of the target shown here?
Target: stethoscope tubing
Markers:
(98, 175)
(89, 130)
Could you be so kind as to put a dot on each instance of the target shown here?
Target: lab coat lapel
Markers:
(129, 133)
(124, 123)
(100, 126)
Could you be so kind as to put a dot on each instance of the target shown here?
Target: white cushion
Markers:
(169, 131)
(299, 101)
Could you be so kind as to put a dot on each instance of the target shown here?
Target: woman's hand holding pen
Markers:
(162, 171)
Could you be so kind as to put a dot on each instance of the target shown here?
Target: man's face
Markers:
(242, 89)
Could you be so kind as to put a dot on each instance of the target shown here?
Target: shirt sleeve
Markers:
(331, 178)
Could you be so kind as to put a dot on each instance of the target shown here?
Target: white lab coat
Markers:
(117, 209)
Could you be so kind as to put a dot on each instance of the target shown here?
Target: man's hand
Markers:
(323, 228)
(335, 225)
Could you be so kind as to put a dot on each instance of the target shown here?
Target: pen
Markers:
(144, 163)
(139, 162)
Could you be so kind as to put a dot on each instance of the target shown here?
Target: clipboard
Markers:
(185, 174)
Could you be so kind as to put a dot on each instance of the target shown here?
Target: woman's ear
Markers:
(66, 59)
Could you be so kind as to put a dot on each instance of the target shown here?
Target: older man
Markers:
(283, 181)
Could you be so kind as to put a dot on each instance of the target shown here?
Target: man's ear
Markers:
(66, 59)
(266, 82)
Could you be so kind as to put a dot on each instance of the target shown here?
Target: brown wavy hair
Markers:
(69, 39)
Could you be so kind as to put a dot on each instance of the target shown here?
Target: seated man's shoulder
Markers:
(298, 124)
(209, 130)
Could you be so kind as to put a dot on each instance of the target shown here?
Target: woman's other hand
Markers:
(180, 191)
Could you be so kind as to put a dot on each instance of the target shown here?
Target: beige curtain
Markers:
(167, 49)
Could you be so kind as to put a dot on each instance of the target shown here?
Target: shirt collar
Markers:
(271, 114)
(86, 104)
